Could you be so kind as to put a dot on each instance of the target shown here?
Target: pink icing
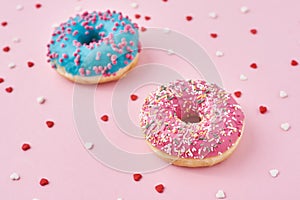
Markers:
(191, 119)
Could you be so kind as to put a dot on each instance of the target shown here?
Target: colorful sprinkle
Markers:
(1, 80)
(4, 24)
(253, 65)
(214, 35)
(6, 49)
(38, 5)
(294, 63)
(104, 118)
(137, 16)
(189, 18)
(50, 124)
(253, 31)
(9, 89)
(147, 18)
(44, 182)
(263, 109)
(137, 177)
(25, 146)
(238, 94)
(160, 188)
(133, 97)
(30, 64)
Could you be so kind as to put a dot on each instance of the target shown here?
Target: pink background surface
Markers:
(58, 154)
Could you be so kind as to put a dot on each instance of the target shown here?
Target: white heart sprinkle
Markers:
(40, 100)
(219, 53)
(243, 77)
(89, 145)
(213, 15)
(16, 40)
(220, 194)
(244, 9)
(19, 7)
(11, 65)
(78, 8)
(35, 199)
(285, 126)
(283, 94)
(14, 176)
(119, 198)
(167, 30)
(274, 172)
(134, 5)
(170, 52)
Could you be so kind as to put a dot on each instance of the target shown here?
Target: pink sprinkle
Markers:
(88, 72)
(64, 55)
(98, 54)
(113, 58)
(75, 33)
(81, 71)
(62, 45)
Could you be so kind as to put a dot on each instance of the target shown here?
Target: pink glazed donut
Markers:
(192, 123)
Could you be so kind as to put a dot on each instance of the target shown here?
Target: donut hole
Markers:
(93, 36)
(191, 119)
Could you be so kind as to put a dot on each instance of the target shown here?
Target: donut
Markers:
(94, 47)
(192, 123)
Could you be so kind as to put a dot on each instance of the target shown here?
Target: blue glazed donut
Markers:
(94, 47)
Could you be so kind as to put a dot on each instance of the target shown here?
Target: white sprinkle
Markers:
(213, 15)
(244, 9)
(11, 65)
(35, 199)
(16, 40)
(14, 176)
(119, 198)
(89, 145)
(219, 53)
(134, 5)
(55, 25)
(167, 30)
(274, 172)
(220, 194)
(19, 7)
(170, 52)
(243, 77)
(78, 8)
(283, 94)
(40, 100)
(285, 126)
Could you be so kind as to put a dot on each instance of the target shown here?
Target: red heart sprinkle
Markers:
(160, 188)
(137, 177)
(104, 118)
(30, 64)
(6, 49)
(25, 147)
(253, 65)
(137, 16)
(238, 94)
(1, 80)
(147, 18)
(263, 109)
(38, 5)
(44, 182)
(50, 124)
(213, 35)
(294, 63)
(143, 29)
(164, 0)
(4, 23)
(133, 97)
(9, 89)
(253, 31)
(189, 18)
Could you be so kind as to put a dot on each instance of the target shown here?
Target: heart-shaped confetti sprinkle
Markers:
(170, 52)
(238, 93)
(9, 89)
(19, 7)
(16, 40)
(50, 124)
(44, 182)
(6, 49)
(213, 35)
(143, 29)
(133, 97)
(38, 5)
(134, 5)
(40, 100)
(137, 177)
(189, 18)
(244, 9)
(3, 24)
(11, 65)
(253, 65)
(160, 188)
(283, 94)
(30, 64)
(25, 147)
(243, 77)
(88, 145)
(14, 176)
(253, 31)
(274, 172)
(137, 16)
(220, 194)
(1, 80)
(147, 18)
(285, 126)
(104, 118)
(263, 109)
(294, 63)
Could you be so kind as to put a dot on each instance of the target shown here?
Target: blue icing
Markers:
(124, 36)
